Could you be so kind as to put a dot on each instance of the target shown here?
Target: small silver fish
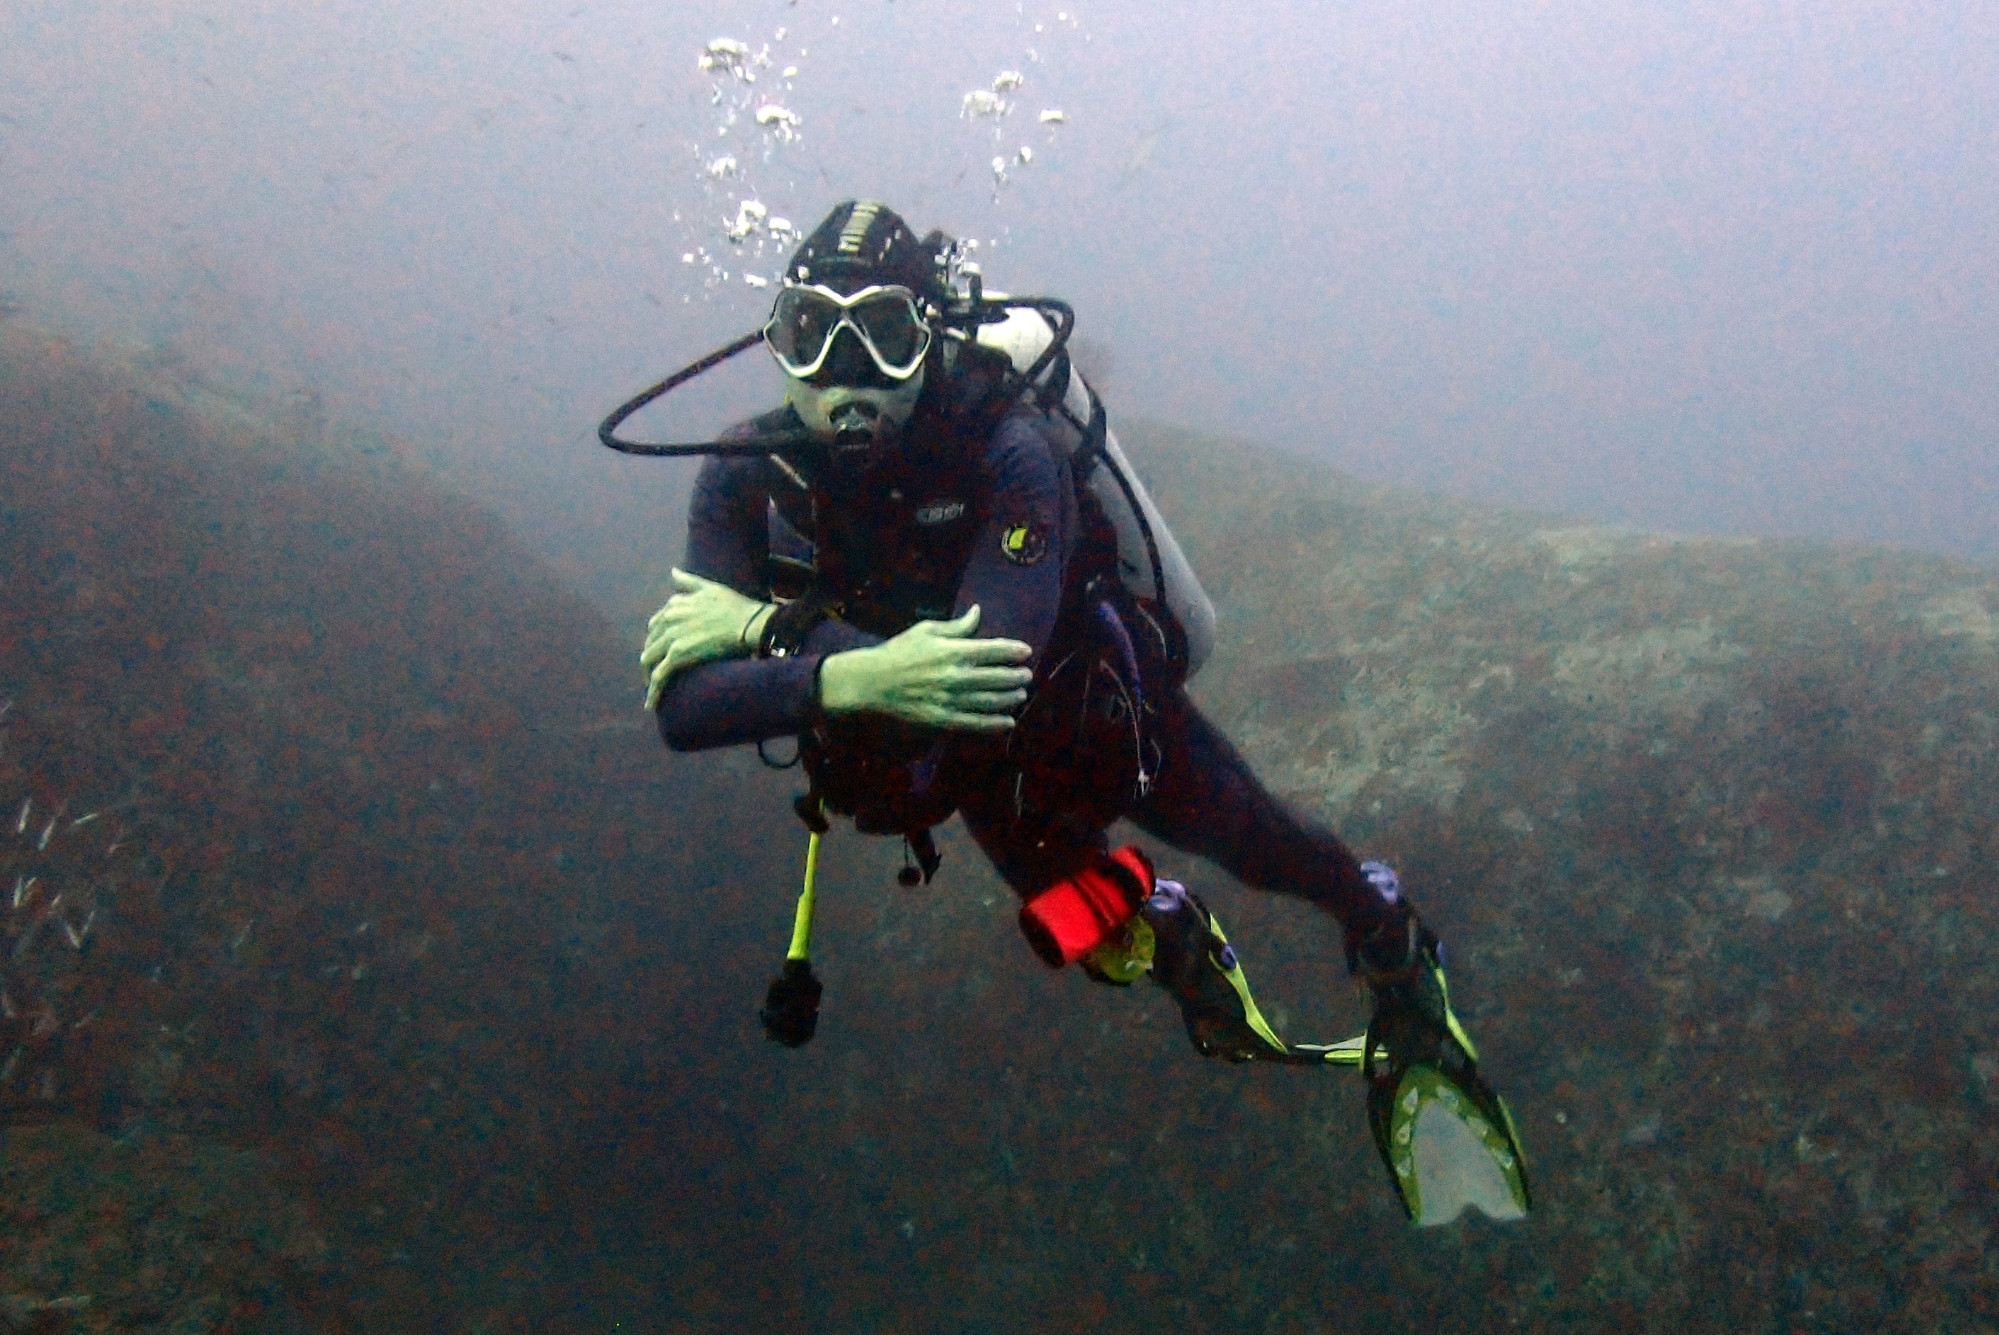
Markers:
(78, 935)
(7, 1011)
(47, 830)
(13, 1060)
(21, 821)
(84, 820)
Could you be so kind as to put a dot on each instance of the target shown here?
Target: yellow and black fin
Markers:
(1446, 1136)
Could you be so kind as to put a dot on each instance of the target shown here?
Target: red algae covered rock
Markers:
(161, 1234)
(384, 909)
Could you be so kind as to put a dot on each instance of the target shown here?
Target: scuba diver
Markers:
(934, 569)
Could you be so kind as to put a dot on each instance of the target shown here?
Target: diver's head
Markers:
(853, 325)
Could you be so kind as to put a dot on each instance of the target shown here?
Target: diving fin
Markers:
(1446, 1136)
(1193, 960)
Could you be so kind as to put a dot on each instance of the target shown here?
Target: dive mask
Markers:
(886, 320)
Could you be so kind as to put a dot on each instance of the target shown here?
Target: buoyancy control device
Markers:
(1033, 334)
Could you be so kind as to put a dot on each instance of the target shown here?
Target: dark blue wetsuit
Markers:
(992, 519)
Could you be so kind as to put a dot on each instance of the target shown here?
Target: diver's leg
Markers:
(1208, 802)
(1078, 899)
(1030, 850)
(1035, 851)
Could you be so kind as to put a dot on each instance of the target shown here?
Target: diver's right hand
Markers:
(934, 674)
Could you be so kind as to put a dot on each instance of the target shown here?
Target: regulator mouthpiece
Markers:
(857, 425)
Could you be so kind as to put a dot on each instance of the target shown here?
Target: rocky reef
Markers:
(400, 981)
(323, 801)
(1712, 823)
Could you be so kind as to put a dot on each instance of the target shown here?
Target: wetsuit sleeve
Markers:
(1020, 558)
(728, 532)
(745, 699)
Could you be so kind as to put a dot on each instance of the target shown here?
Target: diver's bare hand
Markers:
(935, 674)
(703, 621)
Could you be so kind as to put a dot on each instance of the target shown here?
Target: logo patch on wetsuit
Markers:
(1024, 544)
(939, 512)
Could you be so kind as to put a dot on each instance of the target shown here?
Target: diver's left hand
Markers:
(702, 622)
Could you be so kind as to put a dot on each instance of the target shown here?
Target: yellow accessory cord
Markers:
(790, 1011)
(801, 924)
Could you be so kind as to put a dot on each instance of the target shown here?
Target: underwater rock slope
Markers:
(371, 936)
(1710, 826)
(400, 981)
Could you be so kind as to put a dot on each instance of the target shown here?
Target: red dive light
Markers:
(1074, 916)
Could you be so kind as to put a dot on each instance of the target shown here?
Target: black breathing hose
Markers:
(764, 443)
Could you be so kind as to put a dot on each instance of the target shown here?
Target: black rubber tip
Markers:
(790, 1011)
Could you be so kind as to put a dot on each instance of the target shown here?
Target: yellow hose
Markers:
(801, 924)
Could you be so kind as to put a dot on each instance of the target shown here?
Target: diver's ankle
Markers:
(1392, 952)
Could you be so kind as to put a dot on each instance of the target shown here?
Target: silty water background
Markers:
(1716, 269)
